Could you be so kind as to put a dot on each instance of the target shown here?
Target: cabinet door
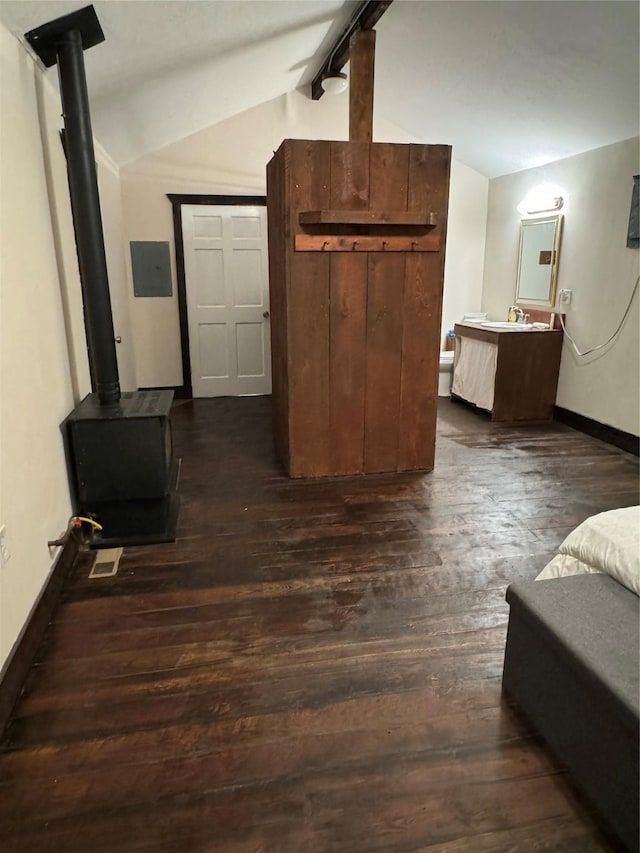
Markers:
(527, 376)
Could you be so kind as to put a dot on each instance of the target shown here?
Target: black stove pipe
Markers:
(83, 185)
(62, 42)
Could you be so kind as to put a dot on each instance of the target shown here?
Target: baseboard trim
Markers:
(15, 670)
(624, 440)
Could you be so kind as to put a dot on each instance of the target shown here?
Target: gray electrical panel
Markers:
(151, 266)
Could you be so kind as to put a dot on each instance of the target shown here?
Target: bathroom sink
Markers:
(512, 327)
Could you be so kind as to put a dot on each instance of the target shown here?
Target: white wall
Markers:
(464, 263)
(231, 158)
(43, 356)
(114, 241)
(594, 263)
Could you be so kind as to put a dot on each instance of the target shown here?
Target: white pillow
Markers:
(610, 542)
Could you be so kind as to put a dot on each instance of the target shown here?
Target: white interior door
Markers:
(227, 284)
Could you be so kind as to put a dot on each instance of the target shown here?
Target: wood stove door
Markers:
(227, 285)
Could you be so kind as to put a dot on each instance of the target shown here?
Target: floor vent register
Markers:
(106, 563)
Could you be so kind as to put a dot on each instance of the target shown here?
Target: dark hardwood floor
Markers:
(314, 665)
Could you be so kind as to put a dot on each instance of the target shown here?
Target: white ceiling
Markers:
(509, 84)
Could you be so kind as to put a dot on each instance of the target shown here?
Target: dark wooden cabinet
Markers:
(356, 257)
(526, 372)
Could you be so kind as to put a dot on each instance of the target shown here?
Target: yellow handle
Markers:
(90, 521)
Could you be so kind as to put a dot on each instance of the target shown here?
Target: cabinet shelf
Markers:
(368, 217)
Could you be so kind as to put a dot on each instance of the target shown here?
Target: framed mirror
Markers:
(538, 261)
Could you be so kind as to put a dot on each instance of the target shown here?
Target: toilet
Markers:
(446, 369)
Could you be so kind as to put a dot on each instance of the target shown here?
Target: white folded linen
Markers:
(475, 371)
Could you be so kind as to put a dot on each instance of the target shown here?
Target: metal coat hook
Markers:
(384, 245)
(413, 245)
(324, 245)
(355, 243)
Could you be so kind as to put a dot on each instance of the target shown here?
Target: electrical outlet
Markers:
(564, 297)
(5, 553)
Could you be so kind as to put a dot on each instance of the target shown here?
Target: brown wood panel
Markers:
(429, 179)
(308, 322)
(383, 361)
(349, 180)
(348, 363)
(428, 189)
(362, 54)
(349, 189)
(389, 169)
(420, 363)
(309, 644)
(368, 243)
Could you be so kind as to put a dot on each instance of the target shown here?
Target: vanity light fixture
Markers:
(334, 82)
(555, 204)
(544, 199)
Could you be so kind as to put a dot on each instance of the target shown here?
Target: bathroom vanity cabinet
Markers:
(513, 374)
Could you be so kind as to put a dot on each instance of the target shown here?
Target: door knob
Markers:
(265, 314)
(118, 339)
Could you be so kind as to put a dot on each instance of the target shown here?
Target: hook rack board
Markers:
(366, 243)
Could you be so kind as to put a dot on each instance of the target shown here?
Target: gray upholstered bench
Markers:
(572, 665)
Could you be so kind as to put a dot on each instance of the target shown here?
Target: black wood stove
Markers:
(122, 467)
(119, 445)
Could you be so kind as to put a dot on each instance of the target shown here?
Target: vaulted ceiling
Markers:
(509, 84)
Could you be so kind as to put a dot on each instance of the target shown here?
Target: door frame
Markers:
(177, 200)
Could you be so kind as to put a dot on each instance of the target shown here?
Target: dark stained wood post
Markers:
(357, 235)
(362, 51)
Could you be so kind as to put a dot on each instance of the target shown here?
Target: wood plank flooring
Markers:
(314, 665)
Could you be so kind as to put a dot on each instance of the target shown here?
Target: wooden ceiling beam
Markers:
(366, 18)
(363, 55)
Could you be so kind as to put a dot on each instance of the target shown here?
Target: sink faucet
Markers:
(521, 316)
